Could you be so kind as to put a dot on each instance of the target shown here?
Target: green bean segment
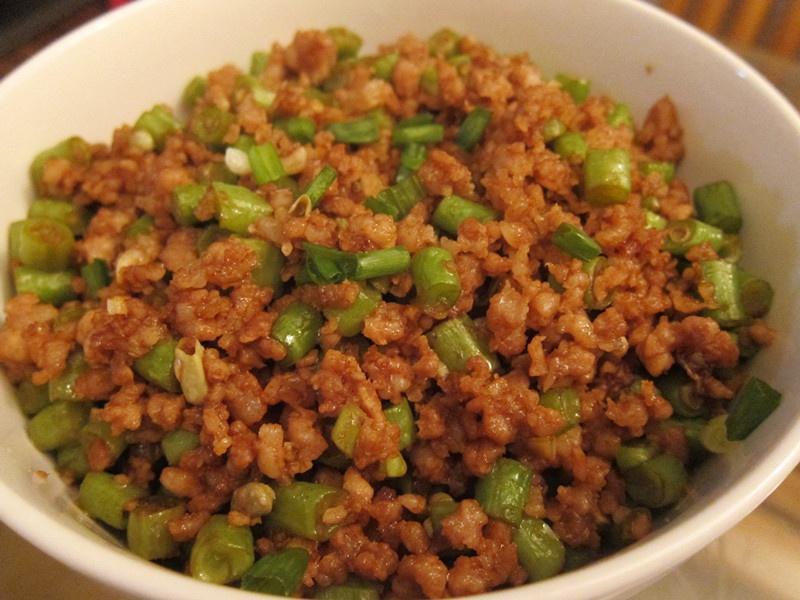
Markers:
(607, 176)
(105, 497)
(397, 200)
(221, 552)
(571, 145)
(456, 341)
(566, 402)
(43, 244)
(359, 131)
(31, 397)
(754, 402)
(159, 123)
(681, 236)
(575, 242)
(278, 574)
(472, 129)
(539, 550)
(503, 493)
(299, 508)
(717, 204)
(657, 482)
(74, 149)
(402, 416)
(454, 210)
(350, 320)
(297, 329)
(211, 124)
(148, 528)
(73, 216)
(577, 88)
(347, 428)
(176, 443)
(239, 207)
(57, 425)
(435, 278)
(352, 589)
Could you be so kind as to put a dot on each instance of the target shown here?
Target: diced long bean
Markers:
(724, 276)
(297, 329)
(665, 169)
(347, 428)
(348, 43)
(140, 226)
(176, 443)
(73, 149)
(620, 115)
(571, 145)
(575, 242)
(503, 493)
(634, 454)
(100, 430)
(31, 397)
(58, 424)
(157, 366)
(350, 320)
(654, 220)
(352, 589)
(552, 129)
(380, 263)
(299, 508)
(62, 386)
(194, 90)
(239, 207)
(717, 204)
(435, 278)
(472, 129)
(185, 200)
(254, 499)
(51, 288)
(755, 293)
(269, 262)
(656, 483)
(420, 134)
(383, 67)
(454, 210)
(71, 460)
(211, 124)
(265, 163)
(278, 574)
(73, 216)
(44, 244)
(105, 497)
(159, 122)
(221, 552)
(681, 236)
(443, 43)
(402, 416)
(456, 340)
(754, 402)
(413, 156)
(96, 276)
(440, 506)
(566, 402)
(577, 88)
(539, 550)
(359, 131)
(300, 129)
(607, 176)
(148, 532)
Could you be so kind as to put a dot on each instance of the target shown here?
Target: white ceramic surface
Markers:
(737, 127)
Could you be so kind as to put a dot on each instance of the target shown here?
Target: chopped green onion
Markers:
(620, 115)
(58, 425)
(575, 242)
(300, 129)
(347, 428)
(756, 294)
(148, 532)
(681, 236)
(456, 340)
(73, 216)
(320, 184)
(420, 134)
(503, 493)
(402, 416)
(566, 402)
(157, 366)
(383, 67)
(435, 278)
(454, 210)
(754, 402)
(380, 263)
(159, 123)
(679, 390)
(473, 128)
(397, 200)
(51, 288)
(299, 508)
(350, 320)
(578, 89)
(239, 207)
(724, 276)
(539, 550)
(717, 204)
(258, 63)
(221, 552)
(571, 145)
(714, 436)
(325, 265)
(657, 482)
(665, 169)
(194, 90)
(104, 496)
(607, 176)
(277, 574)
(297, 329)
(552, 129)
(413, 156)
(176, 443)
(211, 124)
(265, 163)
(359, 131)
(594, 267)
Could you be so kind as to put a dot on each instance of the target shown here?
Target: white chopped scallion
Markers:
(236, 160)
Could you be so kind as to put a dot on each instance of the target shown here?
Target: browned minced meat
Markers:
(258, 419)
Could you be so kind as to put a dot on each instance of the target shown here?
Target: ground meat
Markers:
(661, 133)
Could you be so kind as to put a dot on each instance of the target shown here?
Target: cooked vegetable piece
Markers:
(657, 482)
(299, 508)
(575, 242)
(156, 366)
(607, 176)
(221, 552)
(472, 129)
(456, 340)
(278, 574)
(454, 210)
(539, 550)
(717, 204)
(754, 402)
(148, 532)
(106, 497)
(297, 328)
(503, 493)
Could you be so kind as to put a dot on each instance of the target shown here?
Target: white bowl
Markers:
(737, 127)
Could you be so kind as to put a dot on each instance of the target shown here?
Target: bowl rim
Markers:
(146, 579)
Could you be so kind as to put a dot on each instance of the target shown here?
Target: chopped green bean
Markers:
(221, 552)
(552, 129)
(665, 169)
(384, 65)
(571, 145)
(258, 63)
(443, 43)
(31, 397)
(73, 149)
(265, 163)
(620, 115)
(394, 466)
(210, 172)
(299, 508)
(320, 184)
(607, 176)
(419, 134)
(185, 200)
(347, 428)
(402, 416)
(278, 574)
(681, 236)
(634, 454)
(96, 276)
(654, 221)
(73, 216)
(413, 156)
(140, 226)
(679, 390)
(352, 589)
(58, 425)
(657, 482)
(435, 278)
(300, 129)
(380, 263)
(365, 130)
(159, 122)
(100, 430)
(754, 402)
(105, 497)
(398, 199)
(575, 242)
(62, 386)
(717, 204)
(503, 493)
(347, 42)
(577, 88)
(209, 235)
(575, 558)
(440, 506)
(297, 329)
(714, 436)
(539, 550)
(178, 442)
(239, 207)
(566, 402)
(72, 460)
(756, 294)
(456, 340)
(270, 261)
(350, 320)
(51, 288)
(429, 81)
(211, 124)
(148, 532)
(44, 244)
(194, 90)
(472, 129)
(724, 276)
(454, 210)
(156, 366)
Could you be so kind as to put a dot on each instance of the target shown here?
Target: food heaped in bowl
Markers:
(417, 323)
